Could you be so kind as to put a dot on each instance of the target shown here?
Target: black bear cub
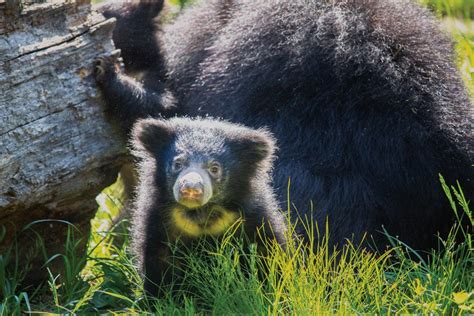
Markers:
(197, 177)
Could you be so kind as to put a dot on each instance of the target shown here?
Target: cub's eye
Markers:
(215, 169)
(177, 165)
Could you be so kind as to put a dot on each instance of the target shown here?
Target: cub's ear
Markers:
(254, 146)
(150, 136)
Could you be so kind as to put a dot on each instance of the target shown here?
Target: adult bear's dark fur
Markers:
(362, 95)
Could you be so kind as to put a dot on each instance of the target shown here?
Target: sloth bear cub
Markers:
(197, 177)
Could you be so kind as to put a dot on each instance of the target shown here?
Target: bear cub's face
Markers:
(204, 168)
(196, 178)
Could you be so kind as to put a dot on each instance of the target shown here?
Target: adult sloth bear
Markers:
(362, 95)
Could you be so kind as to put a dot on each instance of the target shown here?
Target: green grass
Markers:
(230, 278)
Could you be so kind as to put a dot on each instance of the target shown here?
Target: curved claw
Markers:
(104, 68)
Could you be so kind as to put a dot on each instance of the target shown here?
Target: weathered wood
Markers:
(57, 148)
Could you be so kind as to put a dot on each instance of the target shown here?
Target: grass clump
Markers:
(233, 277)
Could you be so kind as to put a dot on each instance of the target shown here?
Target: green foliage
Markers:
(457, 8)
(457, 19)
(231, 277)
(463, 34)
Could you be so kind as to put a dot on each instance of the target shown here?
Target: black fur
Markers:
(362, 95)
(243, 186)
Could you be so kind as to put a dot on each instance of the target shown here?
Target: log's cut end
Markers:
(57, 148)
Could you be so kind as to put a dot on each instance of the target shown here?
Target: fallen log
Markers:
(58, 150)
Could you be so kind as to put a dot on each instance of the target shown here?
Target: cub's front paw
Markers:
(105, 68)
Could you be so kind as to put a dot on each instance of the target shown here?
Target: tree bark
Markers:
(57, 148)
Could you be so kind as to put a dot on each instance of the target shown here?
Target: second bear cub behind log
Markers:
(197, 178)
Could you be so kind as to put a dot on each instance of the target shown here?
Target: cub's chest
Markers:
(209, 221)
